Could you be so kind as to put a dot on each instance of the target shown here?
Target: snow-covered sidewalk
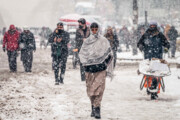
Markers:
(34, 96)
(127, 59)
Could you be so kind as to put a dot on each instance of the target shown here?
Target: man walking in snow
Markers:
(95, 55)
(152, 43)
(27, 46)
(10, 43)
(81, 33)
(59, 40)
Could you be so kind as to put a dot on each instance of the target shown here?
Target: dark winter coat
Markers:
(63, 45)
(27, 41)
(10, 40)
(172, 34)
(27, 45)
(152, 44)
(80, 35)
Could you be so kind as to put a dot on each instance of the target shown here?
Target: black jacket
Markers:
(152, 44)
(64, 43)
(80, 35)
(27, 41)
(98, 67)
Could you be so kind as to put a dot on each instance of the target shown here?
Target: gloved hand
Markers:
(165, 50)
(4, 49)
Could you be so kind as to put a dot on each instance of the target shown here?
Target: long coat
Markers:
(152, 44)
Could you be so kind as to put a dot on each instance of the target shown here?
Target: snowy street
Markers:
(33, 96)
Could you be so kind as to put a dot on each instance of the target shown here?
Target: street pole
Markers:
(146, 21)
(135, 24)
(135, 13)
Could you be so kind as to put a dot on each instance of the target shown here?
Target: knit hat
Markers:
(94, 25)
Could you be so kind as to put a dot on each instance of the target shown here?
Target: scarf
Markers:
(95, 50)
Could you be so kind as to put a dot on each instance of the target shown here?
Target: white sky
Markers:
(31, 12)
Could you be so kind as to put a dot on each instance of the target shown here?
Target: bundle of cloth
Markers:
(155, 67)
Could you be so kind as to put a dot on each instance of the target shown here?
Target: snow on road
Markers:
(33, 96)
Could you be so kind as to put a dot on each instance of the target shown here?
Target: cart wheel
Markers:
(162, 84)
(142, 83)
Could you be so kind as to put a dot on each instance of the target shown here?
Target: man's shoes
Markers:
(93, 111)
(97, 114)
(56, 83)
(61, 81)
(154, 96)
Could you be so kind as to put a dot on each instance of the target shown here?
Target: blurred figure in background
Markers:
(172, 35)
(140, 31)
(10, 43)
(124, 35)
(113, 40)
(27, 45)
(3, 30)
(134, 41)
(44, 37)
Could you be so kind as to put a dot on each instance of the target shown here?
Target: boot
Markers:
(61, 80)
(56, 81)
(154, 96)
(97, 113)
(56, 77)
(93, 111)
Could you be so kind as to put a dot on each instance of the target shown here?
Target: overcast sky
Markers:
(33, 12)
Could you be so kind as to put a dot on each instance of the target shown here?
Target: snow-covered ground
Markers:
(33, 96)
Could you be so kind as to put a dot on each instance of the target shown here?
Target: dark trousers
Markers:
(173, 48)
(59, 62)
(115, 57)
(82, 72)
(134, 48)
(27, 59)
(12, 55)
